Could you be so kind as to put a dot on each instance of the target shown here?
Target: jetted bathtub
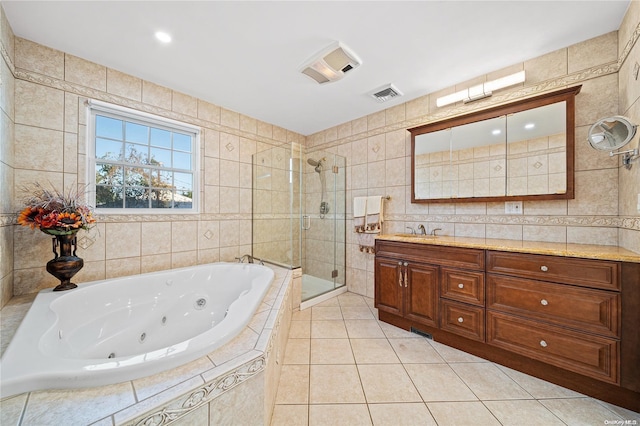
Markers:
(116, 330)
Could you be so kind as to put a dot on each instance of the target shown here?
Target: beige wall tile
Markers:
(592, 235)
(184, 104)
(38, 105)
(122, 241)
(417, 107)
(156, 238)
(184, 236)
(248, 124)
(125, 85)
(156, 95)
(596, 193)
(629, 90)
(7, 36)
(229, 147)
(596, 51)
(85, 73)
(395, 114)
(546, 67)
(597, 99)
(39, 149)
(359, 125)
(122, 267)
(38, 58)
(229, 118)
(551, 234)
(376, 120)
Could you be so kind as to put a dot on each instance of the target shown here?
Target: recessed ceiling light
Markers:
(163, 37)
(496, 132)
(529, 126)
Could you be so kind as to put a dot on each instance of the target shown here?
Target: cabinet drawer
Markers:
(592, 356)
(568, 270)
(465, 258)
(461, 319)
(464, 286)
(594, 311)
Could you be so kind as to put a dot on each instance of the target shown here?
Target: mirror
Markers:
(612, 133)
(519, 151)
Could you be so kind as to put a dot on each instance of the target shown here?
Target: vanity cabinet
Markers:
(569, 320)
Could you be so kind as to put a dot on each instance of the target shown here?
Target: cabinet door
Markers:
(389, 286)
(421, 294)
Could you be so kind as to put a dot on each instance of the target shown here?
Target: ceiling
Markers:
(245, 55)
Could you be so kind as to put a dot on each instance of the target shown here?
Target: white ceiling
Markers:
(245, 55)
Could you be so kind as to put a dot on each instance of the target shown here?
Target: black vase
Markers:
(66, 264)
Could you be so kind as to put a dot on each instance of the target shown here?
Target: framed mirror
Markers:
(520, 151)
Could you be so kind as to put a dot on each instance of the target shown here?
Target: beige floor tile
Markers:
(357, 312)
(438, 382)
(405, 414)
(522, 412)
(350, 299)
(489, 382)
(294, 385)
(335, 384)
(539, 388)
(622, 412)
(331, 351)
(329, 329)
(329, 302)
(452, 355)
(387, 383)
(373, 351)
(415, 351)
(300, 330)
(297, 351)
(290, 415)
(581, 411)
(393, 332)
(364, 329)
(339, 415)
(326, 313)
(370, 301)
(304, 315)
(462, 414)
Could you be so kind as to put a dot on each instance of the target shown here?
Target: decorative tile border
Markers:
(203, 395)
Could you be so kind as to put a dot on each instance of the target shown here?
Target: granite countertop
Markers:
(588, 251)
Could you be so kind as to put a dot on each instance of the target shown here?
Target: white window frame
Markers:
(119, 112)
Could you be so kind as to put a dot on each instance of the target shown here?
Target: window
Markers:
(141, 163)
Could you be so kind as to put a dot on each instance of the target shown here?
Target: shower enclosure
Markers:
(299, 214)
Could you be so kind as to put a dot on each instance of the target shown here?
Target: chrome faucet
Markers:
(250, 259)
(422, 229)
(433, 231)
(413, 231)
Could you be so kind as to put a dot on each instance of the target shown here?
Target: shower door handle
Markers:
(306, 222)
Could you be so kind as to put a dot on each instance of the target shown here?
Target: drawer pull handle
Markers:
(460, 285)
(460, 319)
(543, 343)
(544, 302)
(543, 268)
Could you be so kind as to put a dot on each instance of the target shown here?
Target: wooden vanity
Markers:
(568, 314)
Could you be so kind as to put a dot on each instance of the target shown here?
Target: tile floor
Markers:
(343, 367)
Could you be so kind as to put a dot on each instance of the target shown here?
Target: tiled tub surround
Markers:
(236, 383)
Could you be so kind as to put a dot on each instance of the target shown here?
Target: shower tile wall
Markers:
(378, 152)
(7, 162)
(51, 88)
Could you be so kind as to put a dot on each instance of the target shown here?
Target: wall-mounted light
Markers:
(481, 91)
(163, 37)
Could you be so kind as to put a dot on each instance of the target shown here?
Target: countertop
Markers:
(587, 251)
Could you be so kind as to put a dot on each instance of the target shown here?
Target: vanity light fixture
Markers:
(496, 132)
(481, 91)
(529, 126)
(163, 36)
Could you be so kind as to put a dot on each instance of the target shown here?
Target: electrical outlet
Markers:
(513, 207)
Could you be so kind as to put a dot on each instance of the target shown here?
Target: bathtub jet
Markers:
(122, 329)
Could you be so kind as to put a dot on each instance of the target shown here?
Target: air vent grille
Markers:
(385, 93)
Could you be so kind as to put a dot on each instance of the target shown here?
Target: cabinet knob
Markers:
(460, 319)
(544, 302)
(543, 343)
(399, 263)
(543, 268)
(460, 285)
(406, 263)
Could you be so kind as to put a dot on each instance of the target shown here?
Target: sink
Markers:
(428, 237)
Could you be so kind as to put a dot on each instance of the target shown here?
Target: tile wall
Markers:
(50, 89)
(43, 103)
(7, 120)
(377, 148)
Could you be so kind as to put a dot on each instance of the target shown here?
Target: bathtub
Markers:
(116, 330)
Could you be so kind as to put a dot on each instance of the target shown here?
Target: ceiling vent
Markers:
(385, 93)
(331, 63)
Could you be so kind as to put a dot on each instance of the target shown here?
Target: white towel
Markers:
(359, 206)
(375, 211)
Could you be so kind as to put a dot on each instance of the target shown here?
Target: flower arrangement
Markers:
(54, 212)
